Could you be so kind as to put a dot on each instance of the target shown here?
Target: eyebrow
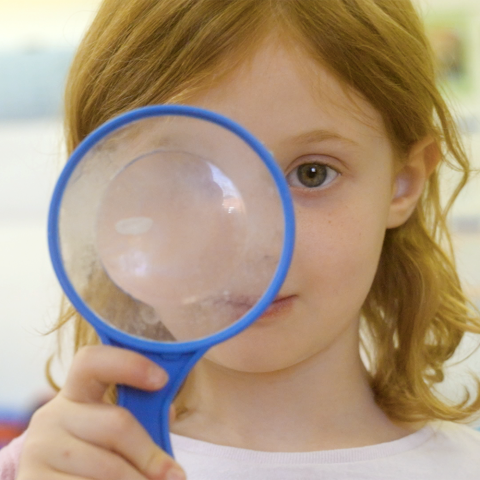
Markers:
(316, 136)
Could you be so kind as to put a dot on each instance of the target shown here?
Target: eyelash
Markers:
(294, 181)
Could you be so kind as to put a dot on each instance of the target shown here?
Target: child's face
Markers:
(342, 199)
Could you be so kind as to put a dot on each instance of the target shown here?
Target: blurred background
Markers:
(37, 41)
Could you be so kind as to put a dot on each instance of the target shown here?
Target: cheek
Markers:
(337, 252)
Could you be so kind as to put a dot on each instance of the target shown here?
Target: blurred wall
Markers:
(37, 41)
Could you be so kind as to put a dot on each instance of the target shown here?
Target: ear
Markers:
(410, 180)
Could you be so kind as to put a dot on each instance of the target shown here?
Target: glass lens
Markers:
(171, 228)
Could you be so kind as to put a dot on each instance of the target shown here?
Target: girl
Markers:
(343, 93)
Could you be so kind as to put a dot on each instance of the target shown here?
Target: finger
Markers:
(45, 474)
(172, 414)
(115, 429)
(96, 367)
(72, 456)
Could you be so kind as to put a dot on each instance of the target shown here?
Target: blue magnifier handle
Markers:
(152, 409)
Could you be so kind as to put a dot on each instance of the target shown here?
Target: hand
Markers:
(79, 436)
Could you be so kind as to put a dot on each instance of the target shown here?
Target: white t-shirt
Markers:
(440, 451)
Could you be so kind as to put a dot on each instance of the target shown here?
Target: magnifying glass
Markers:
(171, 229)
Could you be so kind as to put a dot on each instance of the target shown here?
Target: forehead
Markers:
(281, 85)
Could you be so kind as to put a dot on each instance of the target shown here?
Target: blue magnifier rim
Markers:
(144, 344)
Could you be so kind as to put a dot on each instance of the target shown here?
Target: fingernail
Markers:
(157, 377)
(175, 474)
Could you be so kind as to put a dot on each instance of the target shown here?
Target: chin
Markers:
(248, 356)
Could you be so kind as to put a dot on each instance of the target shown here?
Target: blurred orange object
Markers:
(10, 429)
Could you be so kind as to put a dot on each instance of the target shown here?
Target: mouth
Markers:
(278, 306)
(242, 305)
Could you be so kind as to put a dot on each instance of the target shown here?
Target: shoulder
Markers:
(451, 451)
(10, 457)
(456, 438)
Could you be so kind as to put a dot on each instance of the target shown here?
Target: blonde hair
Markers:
(145, 52)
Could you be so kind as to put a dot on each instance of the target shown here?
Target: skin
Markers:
(300, 363)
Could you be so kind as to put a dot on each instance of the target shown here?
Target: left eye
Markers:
(311, 175)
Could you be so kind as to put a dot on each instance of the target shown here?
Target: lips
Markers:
(279, 305)
(242, 304)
